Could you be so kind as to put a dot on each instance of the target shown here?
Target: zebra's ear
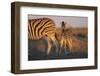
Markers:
(63, 23)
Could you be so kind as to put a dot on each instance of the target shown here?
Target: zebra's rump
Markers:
(39, 28)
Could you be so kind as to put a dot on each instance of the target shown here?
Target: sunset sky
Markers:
(70, 20)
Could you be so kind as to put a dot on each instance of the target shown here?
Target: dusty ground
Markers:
(37, 49)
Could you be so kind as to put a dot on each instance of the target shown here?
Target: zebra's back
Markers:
(39, 28)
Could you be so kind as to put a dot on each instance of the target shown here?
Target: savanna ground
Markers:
(37, 49)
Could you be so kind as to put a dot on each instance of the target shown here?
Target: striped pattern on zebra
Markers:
(42, 28)
(64, 38)
(65, 42)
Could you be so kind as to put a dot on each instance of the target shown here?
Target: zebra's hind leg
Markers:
(70, 44)
(66, 48)
(56, 44)
(61, 46)
(51, 41)
(49, 46)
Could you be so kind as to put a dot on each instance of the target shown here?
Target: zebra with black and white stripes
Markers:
(42, 28)
(64, 38)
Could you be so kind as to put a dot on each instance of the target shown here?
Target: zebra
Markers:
(64, 38)
(43, 28)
